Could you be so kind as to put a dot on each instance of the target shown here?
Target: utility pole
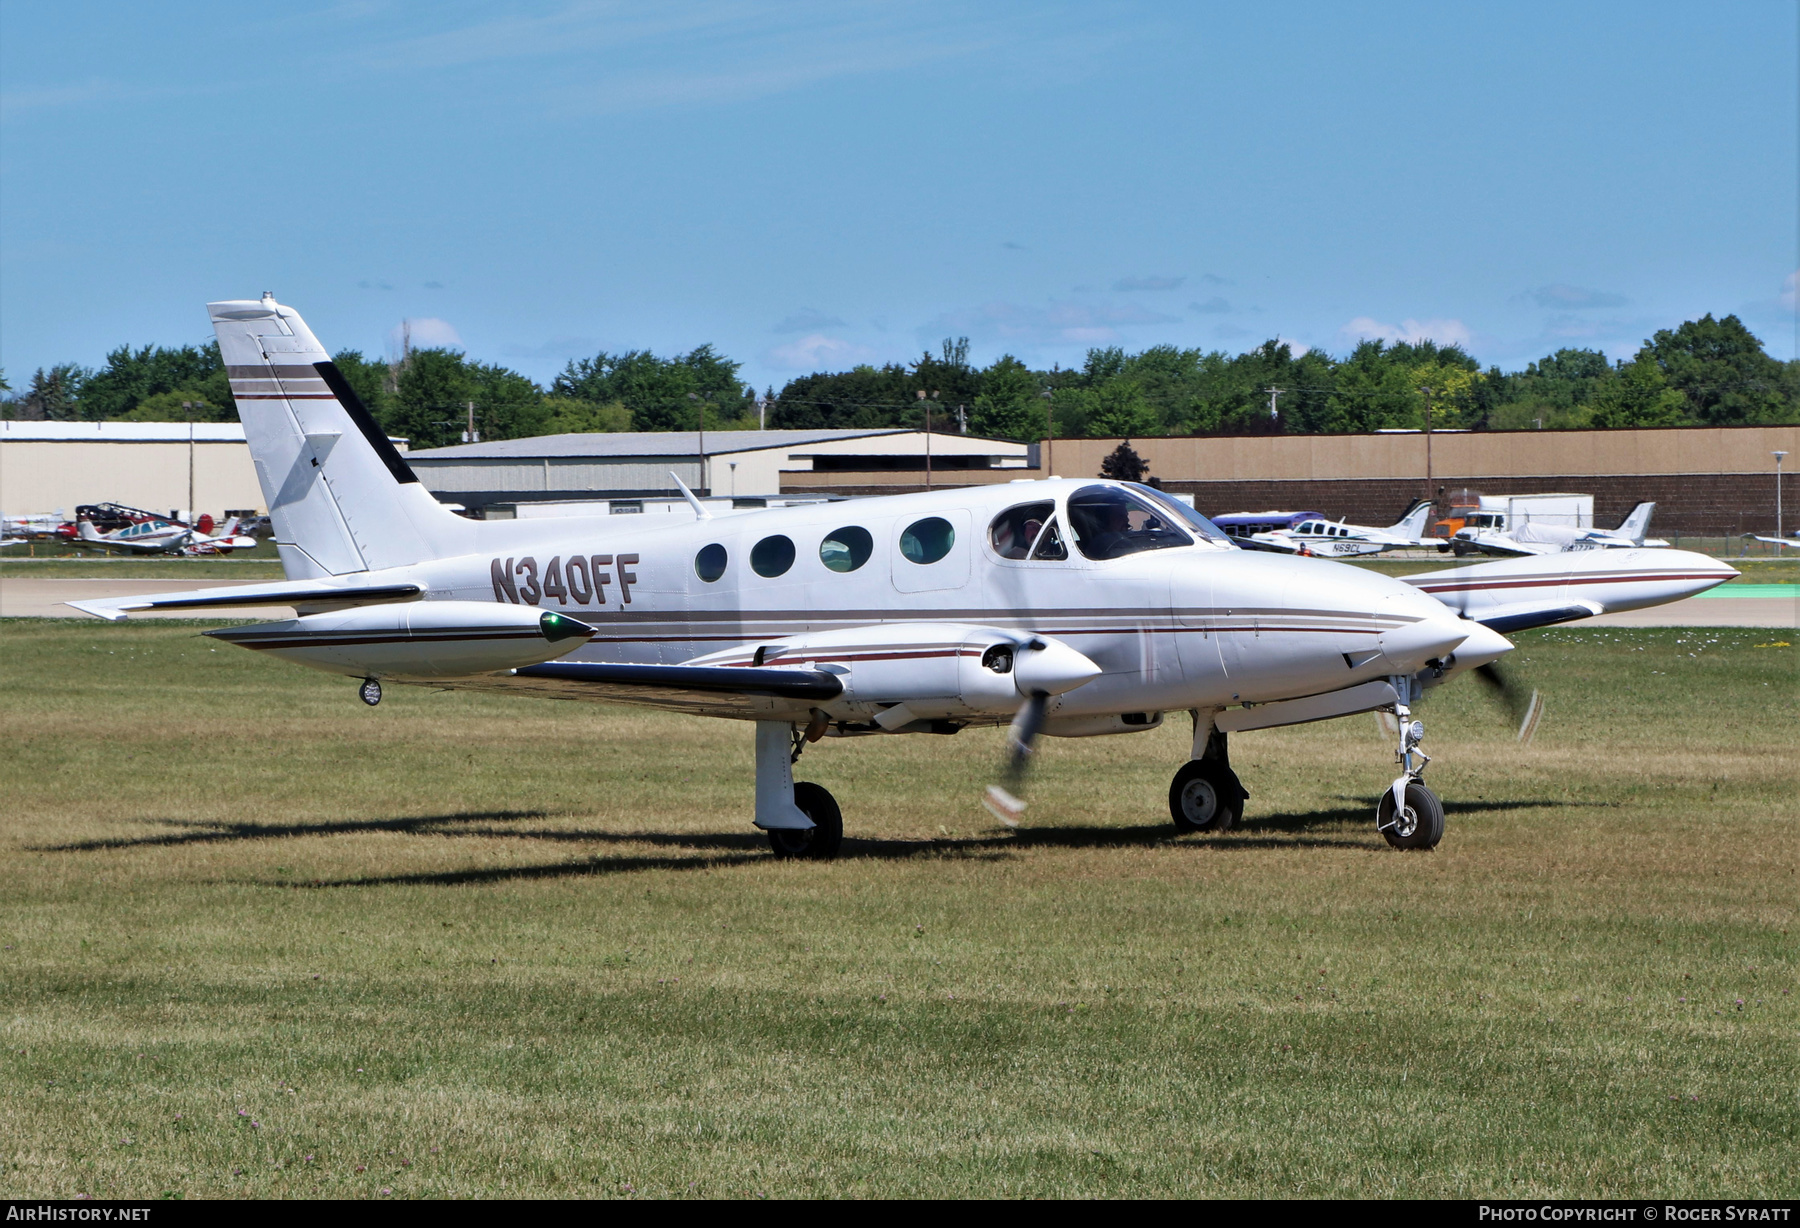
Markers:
(700, 408)
(1050, 418)
(1427, 392)
(471, 435)
(927, 403)
(962, 420)
(1273, 394)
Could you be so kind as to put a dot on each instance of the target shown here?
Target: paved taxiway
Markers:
(39, 598)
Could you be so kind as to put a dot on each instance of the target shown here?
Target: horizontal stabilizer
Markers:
(1525, 615)
(283, 593)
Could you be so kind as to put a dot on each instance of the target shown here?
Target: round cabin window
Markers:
(709, 564)
(847, 548)
(772, 556)
(928, 540)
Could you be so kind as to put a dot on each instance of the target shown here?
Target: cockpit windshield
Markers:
(1108, 523)
(1199, 524)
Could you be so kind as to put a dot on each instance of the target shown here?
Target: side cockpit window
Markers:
(1108, 523)
(1015, 530)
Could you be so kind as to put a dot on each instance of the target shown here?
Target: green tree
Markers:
(1638, 396)
(431, 393)
(656, 390)
(862, 397)
(1720, 367)
(130, 376)
(168, 407)
(1010, 404)
(1371, 393)
(373, 382)
(1110, 407)
(54, 395)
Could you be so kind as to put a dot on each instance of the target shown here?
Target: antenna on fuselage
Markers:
(700, 512)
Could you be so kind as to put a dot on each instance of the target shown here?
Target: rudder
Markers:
(341, 498)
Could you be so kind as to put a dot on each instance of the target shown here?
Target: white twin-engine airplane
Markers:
(1072, 608)
(1336, 539)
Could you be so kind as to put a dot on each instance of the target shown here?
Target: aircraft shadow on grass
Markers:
(723, 850)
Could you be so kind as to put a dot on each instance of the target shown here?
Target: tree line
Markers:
(1705, 372)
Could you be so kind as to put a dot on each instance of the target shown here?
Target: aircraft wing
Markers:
(1774, 541)
(701, 690)
(311, 593)
(1512, 547)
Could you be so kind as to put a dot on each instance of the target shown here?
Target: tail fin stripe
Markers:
(365, 422)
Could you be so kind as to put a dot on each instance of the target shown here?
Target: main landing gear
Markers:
(1409, 815)
(802, 819)
(1206, 794)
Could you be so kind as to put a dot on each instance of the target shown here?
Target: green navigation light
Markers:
(561, 627)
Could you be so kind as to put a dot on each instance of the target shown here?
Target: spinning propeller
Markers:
(1524, 705)
(1002, 800)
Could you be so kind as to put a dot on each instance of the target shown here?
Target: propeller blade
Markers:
(1526, 707)
(1002, 800)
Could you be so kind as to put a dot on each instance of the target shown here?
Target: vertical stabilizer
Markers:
(1637, 525)
(1412, 525)
(341, 498)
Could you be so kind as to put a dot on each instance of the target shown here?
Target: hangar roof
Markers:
(641, 443)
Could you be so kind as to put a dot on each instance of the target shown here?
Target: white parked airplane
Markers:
(1775, 541)
(157, 535)
(1070, 608)
(1532, 538)
(1336, 539)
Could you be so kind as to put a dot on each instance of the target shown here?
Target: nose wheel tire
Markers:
(1419, 825)
(1205, 796)
(820, 843)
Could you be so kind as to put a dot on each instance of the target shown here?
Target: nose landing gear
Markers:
(1409, 815)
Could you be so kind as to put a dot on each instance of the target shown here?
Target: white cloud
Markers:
(1444, 332)
(1788, 289)
(424, 333)
(807, 319)
(1126, 284)
(1011, 324)
(817, 352)
(1566, 297)
(1297, 348)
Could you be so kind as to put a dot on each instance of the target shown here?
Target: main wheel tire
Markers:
(1205, 796)
(1421, 823)
(827, 833)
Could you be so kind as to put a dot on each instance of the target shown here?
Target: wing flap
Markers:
(728, 691)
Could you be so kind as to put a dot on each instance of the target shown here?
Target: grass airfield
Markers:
(261, 940)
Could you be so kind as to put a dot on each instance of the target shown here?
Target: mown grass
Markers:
(261, 940)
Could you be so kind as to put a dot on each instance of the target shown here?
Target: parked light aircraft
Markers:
(156, 535)
(1532, 538)
(1774, 541)
(1338, 539)
(1072, 608)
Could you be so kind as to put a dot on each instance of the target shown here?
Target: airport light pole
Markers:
(1778, 532)
(926, 399)
(1427, 392)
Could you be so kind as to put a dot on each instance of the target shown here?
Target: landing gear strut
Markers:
(1409, 815)
(1206, 794)
(802, 819)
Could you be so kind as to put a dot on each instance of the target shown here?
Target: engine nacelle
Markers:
(930, 670)
(419, 639)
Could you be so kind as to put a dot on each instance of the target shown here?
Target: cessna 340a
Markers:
(1060, 607)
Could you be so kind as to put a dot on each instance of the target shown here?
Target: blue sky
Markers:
(808, 186)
